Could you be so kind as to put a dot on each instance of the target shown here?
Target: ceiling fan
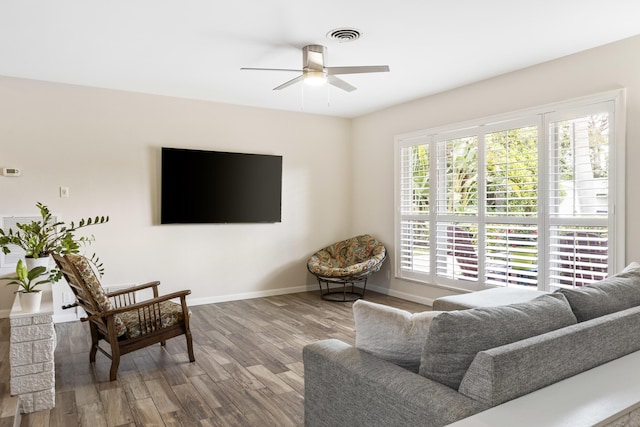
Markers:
(315, 72)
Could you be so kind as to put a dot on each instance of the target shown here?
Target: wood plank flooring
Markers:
(248, 369)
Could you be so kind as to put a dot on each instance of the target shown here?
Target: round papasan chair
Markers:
(348, 262)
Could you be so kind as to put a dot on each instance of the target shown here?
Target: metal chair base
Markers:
(344, 294)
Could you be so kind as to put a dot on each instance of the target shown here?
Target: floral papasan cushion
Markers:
(350, 259)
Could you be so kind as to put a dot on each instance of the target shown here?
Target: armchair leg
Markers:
(113, 373)
(187, 334)
(115, 362)
(94, 342)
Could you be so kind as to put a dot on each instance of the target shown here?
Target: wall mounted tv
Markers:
(218, 187)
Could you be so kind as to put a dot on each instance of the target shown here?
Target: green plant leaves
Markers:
(24, 278)
(44, 237)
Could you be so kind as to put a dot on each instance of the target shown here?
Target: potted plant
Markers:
(41, 238)
(30, 297)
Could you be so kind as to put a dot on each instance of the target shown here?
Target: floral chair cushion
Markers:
(139, 322)
(97, 292)
(348, 259)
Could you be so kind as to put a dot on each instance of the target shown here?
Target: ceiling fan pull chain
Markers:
(328, 96)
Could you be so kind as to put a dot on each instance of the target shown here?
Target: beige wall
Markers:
(609, 67)
(105, 146)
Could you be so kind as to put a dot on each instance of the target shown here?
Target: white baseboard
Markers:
(66, 317)
(304, 288)
(402, 295)
(251, 295)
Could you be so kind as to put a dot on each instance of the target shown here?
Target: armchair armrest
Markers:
(126, 297)
(149, 302)
(143, 304)
(348, 386)
(153, 284)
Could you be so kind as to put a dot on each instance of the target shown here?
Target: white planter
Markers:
(38, 262)
(30, 301)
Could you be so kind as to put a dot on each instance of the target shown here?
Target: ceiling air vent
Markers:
(344, 34)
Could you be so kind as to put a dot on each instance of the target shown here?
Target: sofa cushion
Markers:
(486, 298)
(618, 292)
(503, 373)
(391, 334)
(456, 337)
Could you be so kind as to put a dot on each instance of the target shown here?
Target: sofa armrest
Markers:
(347, 386)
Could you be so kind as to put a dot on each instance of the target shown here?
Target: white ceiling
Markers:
(195, 48)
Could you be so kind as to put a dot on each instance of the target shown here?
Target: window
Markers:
(522, 200)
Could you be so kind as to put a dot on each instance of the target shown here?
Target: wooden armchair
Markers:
(116, 317)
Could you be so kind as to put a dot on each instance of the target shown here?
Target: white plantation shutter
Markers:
(511, 172)
(578, 255)
(415, 253)
(456, 239)
(414, 246)
(523, 202)
(456, 251)
(579, 155)
(511, 243)
(457, 171)
(511, 255)
(579, 198)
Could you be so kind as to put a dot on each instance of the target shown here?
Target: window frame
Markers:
(541, 116)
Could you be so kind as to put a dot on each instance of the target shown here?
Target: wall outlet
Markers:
(67, 298)
(64, 191)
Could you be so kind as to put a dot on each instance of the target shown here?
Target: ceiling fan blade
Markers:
(356, 70)
(339, 83)
(269, 69)
(289, 83)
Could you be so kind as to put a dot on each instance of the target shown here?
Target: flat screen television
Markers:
(201, 187)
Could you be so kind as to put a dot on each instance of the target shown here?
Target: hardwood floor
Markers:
(248, 369)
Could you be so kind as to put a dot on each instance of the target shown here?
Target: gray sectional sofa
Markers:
(472, 359)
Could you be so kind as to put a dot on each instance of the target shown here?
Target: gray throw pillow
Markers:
(616, 293)
(456, 337)
(388, 333)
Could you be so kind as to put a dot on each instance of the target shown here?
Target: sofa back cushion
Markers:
(456, 337)
(503, 373)
(388, 333)
(615, 293)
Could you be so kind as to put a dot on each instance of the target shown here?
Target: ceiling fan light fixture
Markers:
(315, 77)
(315, 71)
